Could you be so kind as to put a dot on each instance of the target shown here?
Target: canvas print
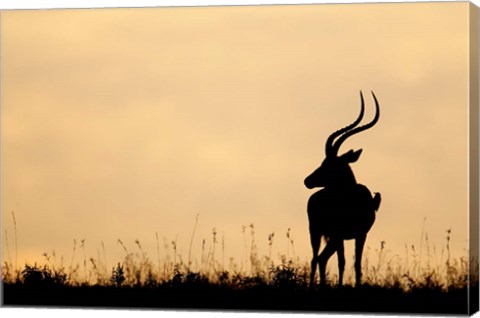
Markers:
(286, 158)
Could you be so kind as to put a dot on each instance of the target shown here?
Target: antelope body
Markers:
(343, 209)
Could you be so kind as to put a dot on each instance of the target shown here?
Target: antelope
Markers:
(343, 209)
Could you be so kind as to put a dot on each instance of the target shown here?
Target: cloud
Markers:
(127, 122)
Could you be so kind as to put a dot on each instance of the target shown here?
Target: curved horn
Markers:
(356, 130)
(329, 144)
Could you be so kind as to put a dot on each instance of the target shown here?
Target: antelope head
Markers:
(335, 170)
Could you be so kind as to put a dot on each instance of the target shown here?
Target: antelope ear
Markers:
(351, 156)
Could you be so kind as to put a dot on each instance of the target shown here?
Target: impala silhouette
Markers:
(343, 209)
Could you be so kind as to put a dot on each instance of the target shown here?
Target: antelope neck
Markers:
(343, 184)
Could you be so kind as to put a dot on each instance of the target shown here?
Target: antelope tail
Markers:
(376, 201)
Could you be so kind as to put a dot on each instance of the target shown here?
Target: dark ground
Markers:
(347, 299)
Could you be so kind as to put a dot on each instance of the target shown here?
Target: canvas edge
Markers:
(474, 90)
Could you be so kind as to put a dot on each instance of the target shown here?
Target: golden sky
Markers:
(124, 123)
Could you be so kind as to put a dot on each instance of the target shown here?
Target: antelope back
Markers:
(342, 212)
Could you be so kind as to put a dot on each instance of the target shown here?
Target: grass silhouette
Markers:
(390, 284)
